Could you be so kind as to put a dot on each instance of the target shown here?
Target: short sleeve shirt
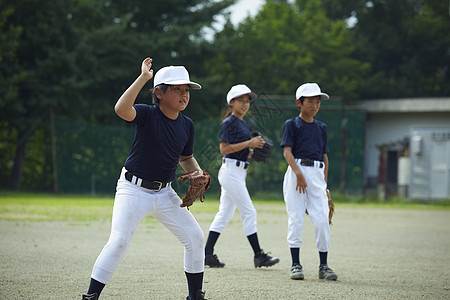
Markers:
(234, 131)
(158, 143)
(308, 140)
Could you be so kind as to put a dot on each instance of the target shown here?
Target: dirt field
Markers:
(377, 253)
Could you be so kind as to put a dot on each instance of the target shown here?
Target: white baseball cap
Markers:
(174, 75)
(239, 90)
(310, 90)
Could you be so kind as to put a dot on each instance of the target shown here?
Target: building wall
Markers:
(430, 163)
(384, 128)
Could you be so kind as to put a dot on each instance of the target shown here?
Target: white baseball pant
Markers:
(314, 199)
(234, 194)
(132, 203)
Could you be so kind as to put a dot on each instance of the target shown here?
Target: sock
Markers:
(95, 287)
(295, 254)
(253, 239)
(323, 257)
(195, 283)
(212, 239)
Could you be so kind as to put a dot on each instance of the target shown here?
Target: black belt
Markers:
(151, 185)
(238, 163)
(309, 163)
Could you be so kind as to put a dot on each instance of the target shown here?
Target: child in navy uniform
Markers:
(305, 182)
(164, 138)
(235, 145)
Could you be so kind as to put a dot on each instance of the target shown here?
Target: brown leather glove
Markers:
(262, 154)
(331, 206)
(198, 184)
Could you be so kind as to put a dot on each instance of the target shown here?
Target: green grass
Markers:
(359, 200)
(83, 208)
(48, 207)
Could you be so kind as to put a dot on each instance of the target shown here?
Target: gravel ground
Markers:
(377, 253)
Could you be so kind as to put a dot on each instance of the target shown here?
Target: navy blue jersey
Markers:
(235, 131)
(308, 140)
(158, 143)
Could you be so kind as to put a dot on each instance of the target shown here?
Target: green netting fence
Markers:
(90, 156)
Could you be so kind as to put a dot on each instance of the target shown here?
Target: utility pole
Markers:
(53, 142)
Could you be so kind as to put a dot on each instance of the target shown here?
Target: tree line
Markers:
(74, 58)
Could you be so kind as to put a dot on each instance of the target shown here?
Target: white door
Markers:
(440, 169)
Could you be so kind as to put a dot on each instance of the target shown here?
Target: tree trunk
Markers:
(19, 160)
(54, 156)
(16, 173)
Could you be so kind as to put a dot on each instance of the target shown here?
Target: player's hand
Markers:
(250, 153)
(146, 68)
(301, 183)
(257, 142)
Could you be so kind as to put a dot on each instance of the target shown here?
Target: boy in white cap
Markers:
(235, 145)
(305, 149)
(164, 138)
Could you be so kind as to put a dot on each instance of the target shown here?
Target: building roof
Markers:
(406, 105)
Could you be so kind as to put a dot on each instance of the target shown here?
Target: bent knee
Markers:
(119, 242)
(198, 238)
(249, 215)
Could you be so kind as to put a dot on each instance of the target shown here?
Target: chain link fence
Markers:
(89, 157)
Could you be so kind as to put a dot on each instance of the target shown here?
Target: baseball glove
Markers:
(198, 184)
(330, 206)
(262, 154)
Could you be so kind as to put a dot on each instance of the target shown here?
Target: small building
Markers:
(407, 148)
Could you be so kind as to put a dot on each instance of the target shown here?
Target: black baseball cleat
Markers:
(326, 273)
(200, 296)
(264, 260)
(90, 297)
(297, 272)
(213, 261)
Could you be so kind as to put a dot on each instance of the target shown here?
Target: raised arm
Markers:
(124, 106)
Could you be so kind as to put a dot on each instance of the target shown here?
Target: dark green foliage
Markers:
(76, 57)
(406, 43)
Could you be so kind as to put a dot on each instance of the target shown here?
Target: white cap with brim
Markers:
(239, 90)
(310, 90)
(174, 75)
